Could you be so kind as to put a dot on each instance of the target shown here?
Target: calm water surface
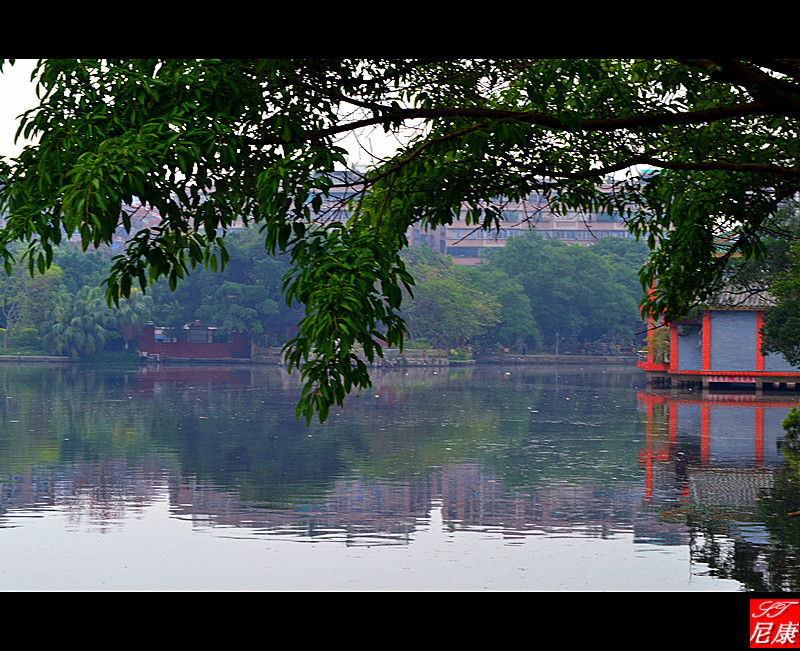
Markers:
(482, 478)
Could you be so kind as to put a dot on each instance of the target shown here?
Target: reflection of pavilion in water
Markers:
(719, 450)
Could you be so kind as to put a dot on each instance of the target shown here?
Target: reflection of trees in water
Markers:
(760, 549)
(518, 451)
(235, 428)
(217, 421)
(54, 414)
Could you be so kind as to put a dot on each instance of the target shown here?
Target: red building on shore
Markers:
(193, 341)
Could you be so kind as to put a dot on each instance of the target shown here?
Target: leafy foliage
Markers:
(23, 300)
(702, 149)
(78, 324)
(576, 293)
(781, 330)
(516, 324)
(131, 315)
(776, 274)
(350, 285)
(448, 309)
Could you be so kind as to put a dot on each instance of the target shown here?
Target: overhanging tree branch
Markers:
(215, 142)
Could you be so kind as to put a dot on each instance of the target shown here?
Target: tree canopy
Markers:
(447, 309)
(695, 154)
(577, 293)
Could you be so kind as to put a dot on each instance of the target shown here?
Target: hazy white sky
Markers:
(17, 94)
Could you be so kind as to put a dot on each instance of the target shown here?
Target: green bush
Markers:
(24, 338)
(792, 426)
(459, 354)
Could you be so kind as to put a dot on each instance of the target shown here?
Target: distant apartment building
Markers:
(466, 243)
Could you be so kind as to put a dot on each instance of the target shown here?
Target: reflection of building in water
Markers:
(723, 455)
(152, 379)
(364, 512)
(723, 448)
(704, 453)
(370, 512)
(96, 494)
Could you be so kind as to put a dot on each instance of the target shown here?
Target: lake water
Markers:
(478, 478)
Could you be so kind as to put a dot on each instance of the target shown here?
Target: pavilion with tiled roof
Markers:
(721, 345)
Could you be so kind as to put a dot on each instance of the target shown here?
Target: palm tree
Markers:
(132, 314)
(77, 324)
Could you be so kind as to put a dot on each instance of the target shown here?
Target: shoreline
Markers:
(36, 359)
(396, 361)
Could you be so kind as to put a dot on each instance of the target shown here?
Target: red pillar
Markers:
(706, 340)
(648, 462)
(704, 434)
(673, 425)
(673, 346)
(650, 329)
(759, 436)
(759, 356)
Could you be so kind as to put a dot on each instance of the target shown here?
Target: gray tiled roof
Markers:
(741, 298)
